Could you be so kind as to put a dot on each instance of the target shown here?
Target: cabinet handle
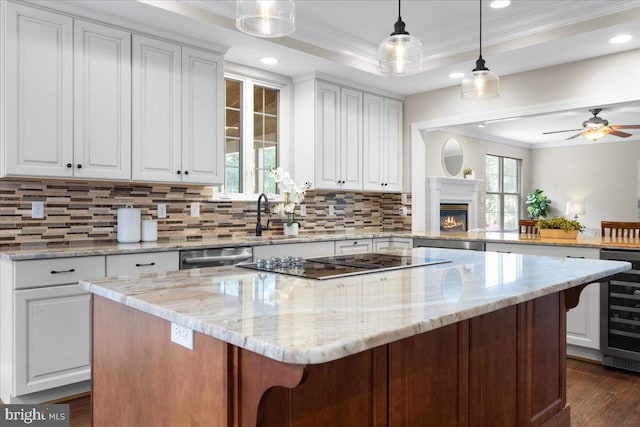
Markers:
(69, 165)
(503, 252)
(186, 172)
(146, 265)
(178, 172)
(579, 257)
(71, 270)
(79, 166)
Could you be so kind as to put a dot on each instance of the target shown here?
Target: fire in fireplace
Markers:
(453, 217)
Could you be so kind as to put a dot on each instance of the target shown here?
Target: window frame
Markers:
(501, 193)
(246, 137)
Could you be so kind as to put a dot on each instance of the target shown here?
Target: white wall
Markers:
(604, 175)
(474, 151)
(581, 84)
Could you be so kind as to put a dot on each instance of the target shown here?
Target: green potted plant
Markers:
(559, 228)
(467, 173)
(537, 204)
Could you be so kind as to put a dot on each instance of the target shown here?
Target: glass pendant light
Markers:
(266, 18)
(400, 53)
(482, 83)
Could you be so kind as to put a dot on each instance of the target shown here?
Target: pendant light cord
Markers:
(480, 28)
(399, 17)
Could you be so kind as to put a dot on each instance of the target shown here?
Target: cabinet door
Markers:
(102, 104)
(52, 337)
(156, 115)
(351, 139)
(203, 109)
(327, 136)
(39, 91)
(392, 146)
(356, 246)
(373, 139)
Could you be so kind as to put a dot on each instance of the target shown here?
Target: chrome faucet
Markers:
(259, 226)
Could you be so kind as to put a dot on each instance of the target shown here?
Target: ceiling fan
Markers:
(597, 127)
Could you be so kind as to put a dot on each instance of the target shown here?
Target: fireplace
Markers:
(454, 217)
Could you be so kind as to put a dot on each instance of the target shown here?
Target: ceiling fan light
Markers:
(266, 18)
(481, 84)
(400, 54)
(596, 134)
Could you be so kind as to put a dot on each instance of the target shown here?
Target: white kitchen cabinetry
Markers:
(151, 262)
(382, 144)
(39, 92)
(102, 104)
(355, 246)
(583, 321)
(177, 113)
(45, 328)
(392, 242)
(305, 250)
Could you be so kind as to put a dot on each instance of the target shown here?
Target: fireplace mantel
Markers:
(452, 190)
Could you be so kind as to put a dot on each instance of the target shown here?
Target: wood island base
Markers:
(504, 368)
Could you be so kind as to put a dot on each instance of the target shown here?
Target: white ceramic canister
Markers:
(128, 225)
(149, 230)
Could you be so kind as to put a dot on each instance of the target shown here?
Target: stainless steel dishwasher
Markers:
(200, 258)
(444, 243)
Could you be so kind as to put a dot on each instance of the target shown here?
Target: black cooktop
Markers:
(340, 265)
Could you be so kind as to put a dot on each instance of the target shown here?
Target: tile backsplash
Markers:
(79, 213)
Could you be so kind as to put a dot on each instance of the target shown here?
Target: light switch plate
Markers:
(181, 335)
(403, 211)
(162, 210)
(403, 198)
(37, 209)
(195, 209)
(332, 210)
(303, 210)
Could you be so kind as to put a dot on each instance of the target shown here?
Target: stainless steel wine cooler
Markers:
(620, 313)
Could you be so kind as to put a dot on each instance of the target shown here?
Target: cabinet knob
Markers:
(79, 166)
(186, 172)
(178, 172)
(355, 243)
(69, 165)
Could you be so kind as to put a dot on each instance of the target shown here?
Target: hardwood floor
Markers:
(599, 397)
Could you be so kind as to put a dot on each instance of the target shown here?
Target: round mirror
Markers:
(452, 157)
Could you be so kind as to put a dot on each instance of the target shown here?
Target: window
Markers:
(502, 193)
(252, 136)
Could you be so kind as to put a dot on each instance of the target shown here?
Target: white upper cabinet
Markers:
(202, 113)
(156, 84)
(351, 139)
(383, 144)
(327, 136)
(102, 104)
(177, 113)
(39, 91)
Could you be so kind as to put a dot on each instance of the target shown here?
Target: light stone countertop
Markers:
(305, 321)
(125, 248)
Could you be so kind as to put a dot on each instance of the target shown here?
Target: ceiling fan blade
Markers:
(574, 136)
(560, 131)
(626, 127)
(620, 134)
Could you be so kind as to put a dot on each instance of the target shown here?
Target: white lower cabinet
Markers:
(355, 246)
(392, 242)
(583, 321)
(53, 340)
(305, 250)
(132, 264)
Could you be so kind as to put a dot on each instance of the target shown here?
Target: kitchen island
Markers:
(479, 340)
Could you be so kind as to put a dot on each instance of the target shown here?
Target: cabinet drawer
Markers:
(58, 271)
(132, 264)
(355, 246)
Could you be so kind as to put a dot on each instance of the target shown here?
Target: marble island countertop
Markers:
(305, 321)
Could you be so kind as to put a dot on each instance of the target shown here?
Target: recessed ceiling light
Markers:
(269, 60)
(499, 4)
(481, 125)
(456, 75)
(622, 38)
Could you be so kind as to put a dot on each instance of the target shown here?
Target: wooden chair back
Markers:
(528, 226)
(620, 229)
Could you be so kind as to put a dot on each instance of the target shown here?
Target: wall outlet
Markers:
(195, 209)
(332, 210)
(403, 198)
(181, 335)
(37, 209)
(402, 211)
(303, 210)
(162, 210)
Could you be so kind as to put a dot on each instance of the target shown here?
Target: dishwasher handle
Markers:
(207, 259)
